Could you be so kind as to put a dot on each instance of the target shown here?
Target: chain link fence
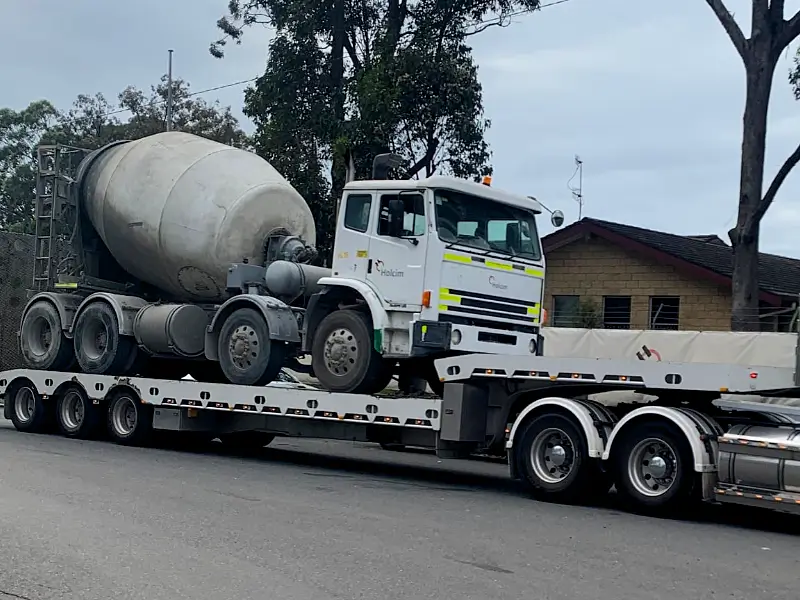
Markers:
(16, 269)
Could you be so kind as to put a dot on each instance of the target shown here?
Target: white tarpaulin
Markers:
(746, 349)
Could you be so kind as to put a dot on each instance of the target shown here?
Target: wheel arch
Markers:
(699, 430)
(593, 420)
(335, 290)
(125, 308)
(281, 322)
(65, 304)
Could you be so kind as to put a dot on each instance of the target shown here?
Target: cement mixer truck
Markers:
(175, 254)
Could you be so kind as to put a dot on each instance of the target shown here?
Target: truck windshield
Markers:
(487, 225)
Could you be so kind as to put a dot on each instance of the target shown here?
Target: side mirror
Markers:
(557, 218)
(396, 215)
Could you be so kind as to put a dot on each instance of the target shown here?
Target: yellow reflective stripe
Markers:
(533, 310)
(458, 258)
(442, 307)
(67, 286)
(534, 272)
(496, 265)
(450, 298)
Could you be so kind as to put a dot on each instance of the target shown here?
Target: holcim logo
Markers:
(387, 272)
(496, 284)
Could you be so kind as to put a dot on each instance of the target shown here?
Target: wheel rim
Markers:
(72, 411)
(552, 455)
(25, 404)
(94, 339)
(244, 347)
(341, 352)
(124, 416)
(652, 467)
(40, 336)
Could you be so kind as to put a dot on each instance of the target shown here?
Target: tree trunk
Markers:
(744, 237)
(338, 163)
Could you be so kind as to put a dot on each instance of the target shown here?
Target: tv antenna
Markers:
(577, 192)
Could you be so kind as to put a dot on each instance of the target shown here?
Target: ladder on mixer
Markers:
(55, 209)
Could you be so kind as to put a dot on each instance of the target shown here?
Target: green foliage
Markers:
(91, 123)
(348, 79)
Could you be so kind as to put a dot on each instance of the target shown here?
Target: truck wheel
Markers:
(76, 416)
(99, 346)
(42, 341)
(343, 357)
(653, 466)
(553, 458)
(129, 422)
(246, 353)
(29, 412)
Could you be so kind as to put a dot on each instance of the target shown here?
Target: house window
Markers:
(617, 312)
(566, 311)
(356, 212)
(665, 312)
(413, 217)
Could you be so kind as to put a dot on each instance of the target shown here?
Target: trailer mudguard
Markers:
(700, 430)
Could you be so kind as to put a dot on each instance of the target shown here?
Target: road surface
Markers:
(311, 520)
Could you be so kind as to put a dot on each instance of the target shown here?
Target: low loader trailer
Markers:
(660, 456)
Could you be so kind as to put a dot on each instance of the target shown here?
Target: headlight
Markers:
(532, 346)
(455, 337)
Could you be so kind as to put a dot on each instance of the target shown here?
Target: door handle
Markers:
(369, 266)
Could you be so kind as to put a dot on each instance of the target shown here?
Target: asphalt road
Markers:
(312, 520)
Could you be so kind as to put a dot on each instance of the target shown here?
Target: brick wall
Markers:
(593, 268)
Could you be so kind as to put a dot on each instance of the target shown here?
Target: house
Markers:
(604, 274)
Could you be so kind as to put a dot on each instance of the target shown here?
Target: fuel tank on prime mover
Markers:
(175, 210)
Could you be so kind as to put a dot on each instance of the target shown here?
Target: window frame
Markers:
(362, 195)
(668, 326)
(574, 319)
(613, 323)
(419, 202)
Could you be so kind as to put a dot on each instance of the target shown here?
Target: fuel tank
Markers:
(175, 210)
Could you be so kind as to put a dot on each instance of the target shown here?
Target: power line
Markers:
(252, 79)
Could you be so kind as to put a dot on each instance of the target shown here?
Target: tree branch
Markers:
(423, 162)
(788, 32)
(731, 27)
(776, 184)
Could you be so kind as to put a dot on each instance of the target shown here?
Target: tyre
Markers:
(99, 347)
(29, 412)
(552, 456)
(246, 441)
(43, 344)
(343, 356)
(129, 421)
(247, 355)
(76, 415)
(653, 467)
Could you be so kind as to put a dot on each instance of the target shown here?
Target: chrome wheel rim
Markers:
(552, 455)
(244, 347)
(652, 467)
(72, 411)
(124, 416)
(25, 404)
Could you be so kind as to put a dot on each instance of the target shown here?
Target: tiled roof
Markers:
(777, 274)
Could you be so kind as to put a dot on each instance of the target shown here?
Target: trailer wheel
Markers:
(42, 341)
(552, 456)
(653, 467)
(99, 346)
(29, 411)
(76, 415)
(130, 422)
(247, 355)
(343, 356)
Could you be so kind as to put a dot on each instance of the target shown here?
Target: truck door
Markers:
(396, 268)
(351, 247)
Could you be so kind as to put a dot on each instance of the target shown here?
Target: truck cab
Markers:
(456, 266)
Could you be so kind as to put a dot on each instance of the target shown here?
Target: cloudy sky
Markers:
(649, 94)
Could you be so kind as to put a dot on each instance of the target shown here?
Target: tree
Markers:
(349, 79)
(770, 34)
(91, 123)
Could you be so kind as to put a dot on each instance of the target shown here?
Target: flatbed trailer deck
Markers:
(559, 443)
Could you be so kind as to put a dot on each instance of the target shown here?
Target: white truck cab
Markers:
(456, 266)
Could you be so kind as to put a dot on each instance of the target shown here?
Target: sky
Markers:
(648, 94)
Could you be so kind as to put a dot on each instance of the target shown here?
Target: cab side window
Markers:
(356, 212)
(413, 214)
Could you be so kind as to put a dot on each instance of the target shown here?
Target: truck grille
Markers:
(483, 310)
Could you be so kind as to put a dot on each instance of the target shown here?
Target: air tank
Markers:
(175, 210)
